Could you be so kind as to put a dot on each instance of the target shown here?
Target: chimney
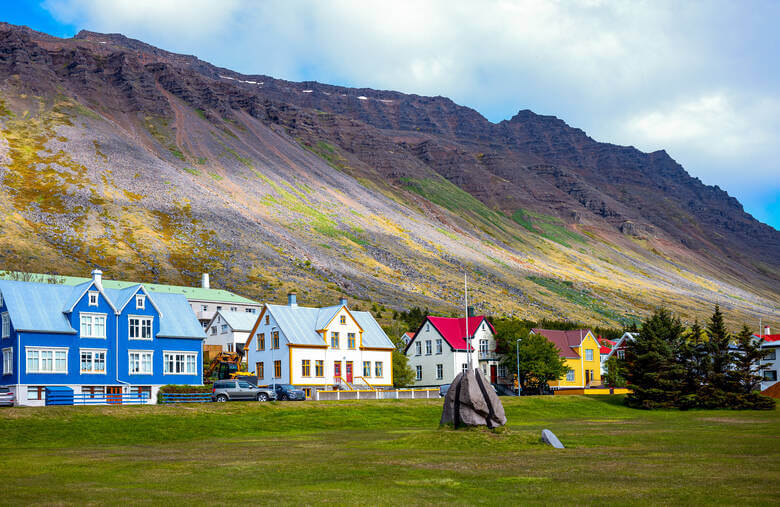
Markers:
(471, 311)
(204, 281)
(766, 330)
(97, 277)
(292, 299)
(343, 301)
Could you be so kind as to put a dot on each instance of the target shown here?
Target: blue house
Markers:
(96, 341)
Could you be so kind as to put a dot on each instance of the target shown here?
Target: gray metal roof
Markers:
(43, 307)
(239, 321)
(300, 324)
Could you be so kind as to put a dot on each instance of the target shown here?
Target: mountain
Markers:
(158, 166)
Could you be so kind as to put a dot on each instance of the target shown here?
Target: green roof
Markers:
(192, 293)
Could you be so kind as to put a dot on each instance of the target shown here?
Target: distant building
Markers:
(319, 348)
(205, 301)
(438, 351)
(96, 340)
(771, 344)
(230, 329)
(581, 351)
(405, 339)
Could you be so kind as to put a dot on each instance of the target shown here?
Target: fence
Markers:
(185, 397)
(69, 398)
(367, 394)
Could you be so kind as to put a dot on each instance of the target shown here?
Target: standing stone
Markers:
(549, 438)
(472, 401)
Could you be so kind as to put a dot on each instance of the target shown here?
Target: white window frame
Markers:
(92, 353)
(438, 345)
(465, 367)
(418, 348)
(140, 302)
(570, 376)
(428, 347)
(8, 361)
(589, 354)
(6, 325)
(92, 317)
(1, 299)
(141, 319)
(54, 351)
(92, 298)
(141, 354)
(439, 371)
(185, 354)
(418, 372)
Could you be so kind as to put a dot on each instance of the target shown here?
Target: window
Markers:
(366, 368)
(204, 308)
(260, 341)
(267, 320)
(93, 361)
(249, 310)
(275, 339)
(418, 373)
(319, 368)
(41, 360)
(1, 299)
(93, 325)
(418, 348)
(427, 327)
(93, 390)
(142, 391)
(140, 328)
(8, 361)
(378, 368)
(233, 309)
(224, 328)
(771, 356)
(36, 393)
(465, 367)
(589, 354)
(351, 340)
(180, 363)
(307, 392)
(502, 371)
(219, 308)
(483, 348)
(213, 329)
(277, 369)
(6, 325)
(230, 347)
(334, 340)
(343, 319)
(428, 347)
(140, 301)
(439, 371)
(570, 376)
(770, 375)
(93, 298)
(260, 369)
(438, 346)
(305, 368)
(140, 362)
(621, 354)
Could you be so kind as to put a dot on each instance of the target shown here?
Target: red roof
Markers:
(604, 341)
(409, 334)
(454, 330)
(769, 337)
(564, 340)
(604, 350)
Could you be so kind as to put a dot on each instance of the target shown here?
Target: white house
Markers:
(437, 351)
(319, 348)
(230, 330)
(770, 363)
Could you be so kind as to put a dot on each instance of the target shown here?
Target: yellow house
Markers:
(581, 351)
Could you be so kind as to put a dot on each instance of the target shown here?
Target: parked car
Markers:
(288, 392)
(6, 397)
(443, 390)
(230, 390)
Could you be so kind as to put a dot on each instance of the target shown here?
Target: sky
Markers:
(699, 79)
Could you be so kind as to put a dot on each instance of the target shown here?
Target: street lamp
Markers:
(517, 356)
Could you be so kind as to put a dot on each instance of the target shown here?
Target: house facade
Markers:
(230, 329)
(770, 363)
(438, 351)
(581, 352)
(319, 348)
(95, 340)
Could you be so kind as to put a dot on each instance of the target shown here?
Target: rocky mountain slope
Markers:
(158, 166)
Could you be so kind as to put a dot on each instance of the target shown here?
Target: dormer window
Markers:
(93, 298)
(343, 319)
(140, 301)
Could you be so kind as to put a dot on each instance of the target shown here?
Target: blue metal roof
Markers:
(300, 324)
(43, 307)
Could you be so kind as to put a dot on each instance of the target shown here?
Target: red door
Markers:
(114, 395)
(337, 371)
(349, 371)
(493, 373)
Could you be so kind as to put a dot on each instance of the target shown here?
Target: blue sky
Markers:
(698, 79)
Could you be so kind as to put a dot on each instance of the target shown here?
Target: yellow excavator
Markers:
(226, 365)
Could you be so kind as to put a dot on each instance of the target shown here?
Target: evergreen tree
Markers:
(747, 361)
(615, 372)
(717, 381)
(652, 368)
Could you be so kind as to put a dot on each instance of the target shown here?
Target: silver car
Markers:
(6, 397)
(234, 389)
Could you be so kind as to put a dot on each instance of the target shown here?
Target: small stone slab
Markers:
(548, 437)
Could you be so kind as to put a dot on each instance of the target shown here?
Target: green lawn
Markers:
(386, 452)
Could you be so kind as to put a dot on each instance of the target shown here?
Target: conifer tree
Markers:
(747, 361)
(720, 359)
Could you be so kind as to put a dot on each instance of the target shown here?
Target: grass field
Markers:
(386, 452)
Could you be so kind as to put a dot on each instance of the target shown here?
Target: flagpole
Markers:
(466, 299)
